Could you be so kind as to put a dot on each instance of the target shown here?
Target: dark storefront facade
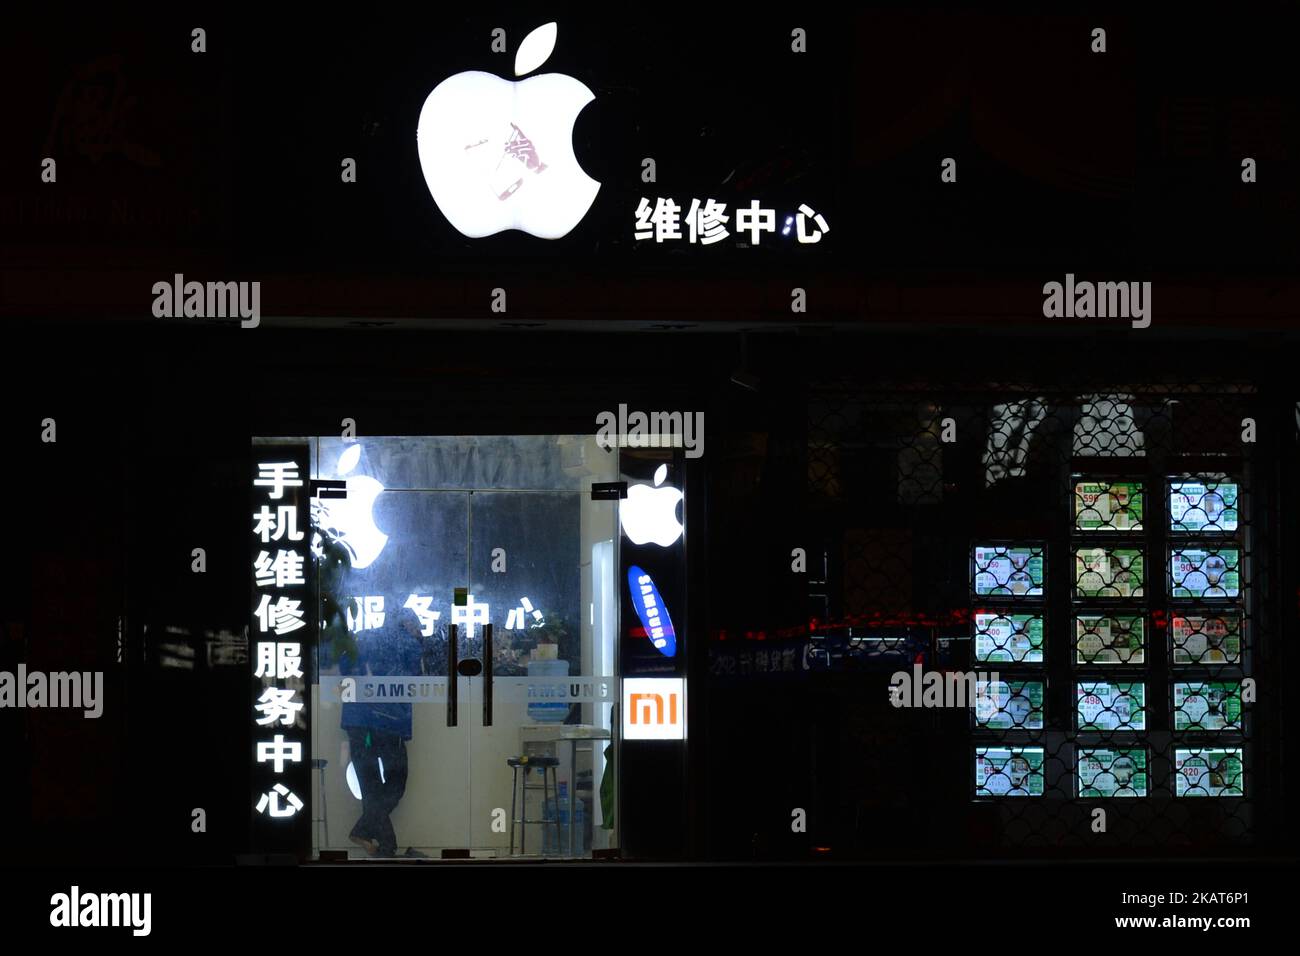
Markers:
(905, 464)
(832, 537)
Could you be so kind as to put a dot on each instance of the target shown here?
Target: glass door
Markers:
(552, 683)
(388, 562)
(467, 588)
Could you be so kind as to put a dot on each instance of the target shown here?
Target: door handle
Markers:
(453, 679)
(487, 675)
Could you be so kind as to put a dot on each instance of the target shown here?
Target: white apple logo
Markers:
(499, 155)
(354, 783)
(650, 514)
(351, 517)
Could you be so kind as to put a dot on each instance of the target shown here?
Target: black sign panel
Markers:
(652, 563)
(282, 629)
(608, 490)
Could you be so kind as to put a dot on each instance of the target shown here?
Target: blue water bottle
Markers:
(563, 814)
(548, 825)
(580, 822)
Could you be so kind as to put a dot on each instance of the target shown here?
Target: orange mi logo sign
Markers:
(641, 704)
(652, 708)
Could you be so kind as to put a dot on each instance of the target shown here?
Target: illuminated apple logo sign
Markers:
(352, 518)
(499, 155)
(650, 514)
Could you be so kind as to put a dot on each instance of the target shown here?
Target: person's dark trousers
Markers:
(379, 795)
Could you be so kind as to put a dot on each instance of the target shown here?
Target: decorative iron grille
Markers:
(1094, 544)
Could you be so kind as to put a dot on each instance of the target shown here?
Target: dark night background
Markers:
(225, 165)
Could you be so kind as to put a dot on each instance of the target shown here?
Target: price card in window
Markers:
(1107, 506)
(1208, 773)
(1203, 506)
(1109, 639)
(1207, 638)
(1112, 773)
(1108, 572)
(1110, 706)
(1201, 572)
(1008, 637)
(1015, 571)
(1009, 771)
(1010, 705)
(1209, 705)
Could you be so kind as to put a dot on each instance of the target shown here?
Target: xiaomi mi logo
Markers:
(654, 708)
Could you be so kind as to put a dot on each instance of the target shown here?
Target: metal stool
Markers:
(517, 787)
(319, 763)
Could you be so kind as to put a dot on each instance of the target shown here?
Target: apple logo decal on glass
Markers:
(354, 784)
(498, 155)
(351, 518)
(650, 514)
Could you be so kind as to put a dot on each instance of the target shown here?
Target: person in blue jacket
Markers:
(377, 731)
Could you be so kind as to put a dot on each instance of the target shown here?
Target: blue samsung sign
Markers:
(652, 611)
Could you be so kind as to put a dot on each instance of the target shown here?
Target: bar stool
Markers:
(319, 763)
(521, 786)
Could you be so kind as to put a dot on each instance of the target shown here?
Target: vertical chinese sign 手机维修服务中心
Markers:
(283, 626)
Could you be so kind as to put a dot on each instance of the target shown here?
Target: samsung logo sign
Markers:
(652, 611)
(579, 691)
(350, 690)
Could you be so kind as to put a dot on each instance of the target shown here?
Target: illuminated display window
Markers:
(1206, 638)
(1009, 771)
(1157, 647)
(1109, 540)
(1209, 657)
(1010, 705)
(1102, 572)
(1112, 772)
(1209, 772)
(1008, 637)
(1012, 570)
(1203, 504)
(1101, 505)
(1009, 631)
(1109, 639)
(1207, 705)
(1103, 705)
(465, 611)
(1205, 571)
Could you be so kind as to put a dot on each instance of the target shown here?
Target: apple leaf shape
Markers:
(535, 49)
(660, 474)
(348, 460)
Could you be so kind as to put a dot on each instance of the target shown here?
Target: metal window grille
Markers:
(1095, 543)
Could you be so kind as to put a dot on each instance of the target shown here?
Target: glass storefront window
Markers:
(468, 619)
